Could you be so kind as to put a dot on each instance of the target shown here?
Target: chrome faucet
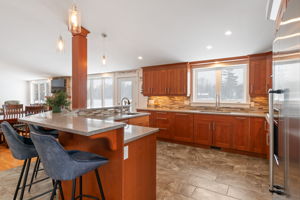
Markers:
(124, 101)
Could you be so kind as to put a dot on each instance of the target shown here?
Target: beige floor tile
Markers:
(202, 194)
(209, 185)
(244, 194)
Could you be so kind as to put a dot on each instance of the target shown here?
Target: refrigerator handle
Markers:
(271, 135)
(272, 188)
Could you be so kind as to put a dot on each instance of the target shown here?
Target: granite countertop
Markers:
(249, 114)
(132, 132)
(72, 123)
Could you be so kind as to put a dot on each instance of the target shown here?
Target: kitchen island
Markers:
(131, 150)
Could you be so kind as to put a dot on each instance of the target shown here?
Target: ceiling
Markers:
(161, 31)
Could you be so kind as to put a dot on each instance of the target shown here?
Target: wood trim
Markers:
(166, 66)
(219, 60)
(84, 32)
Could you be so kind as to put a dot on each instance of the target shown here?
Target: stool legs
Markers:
(99, 184)
(57, 184)
(80, 187)
(20, 180)
(25, 178)
(73, 189)
(35, 170)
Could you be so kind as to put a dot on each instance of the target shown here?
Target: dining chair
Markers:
(12, 113)
(35, 109)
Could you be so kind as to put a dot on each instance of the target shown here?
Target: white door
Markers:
(127, 87)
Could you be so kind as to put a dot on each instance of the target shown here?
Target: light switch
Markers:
(125, 152)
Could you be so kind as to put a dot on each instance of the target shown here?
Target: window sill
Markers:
(227, 105)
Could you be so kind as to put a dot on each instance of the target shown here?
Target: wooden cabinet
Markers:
(241, 134)
(182, 127)
(257, 135)
(260, 70)
(165, 80)
(203, 129)
(163, 122)
(151, 117)
(223, 131)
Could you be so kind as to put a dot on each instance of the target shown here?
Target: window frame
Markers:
(39, 83)
(102, 94)
(218, 69)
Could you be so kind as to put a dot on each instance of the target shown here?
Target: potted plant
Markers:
(57, 101)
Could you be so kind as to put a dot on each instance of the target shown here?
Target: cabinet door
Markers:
(241, 136)
(160, 82)
(258, 74)
(147, 82)
(202, 129)
(163, 122)
(177, 81)
(257, 135)
(182, 127)
(223, 131)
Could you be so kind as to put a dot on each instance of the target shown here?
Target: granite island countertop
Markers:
(133, 132)
(72, 123)
(212, 112)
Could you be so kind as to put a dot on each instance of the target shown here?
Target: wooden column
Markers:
(79, 69)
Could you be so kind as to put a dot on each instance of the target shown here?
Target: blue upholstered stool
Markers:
(22, 149)
(63, 165)
(41, 130)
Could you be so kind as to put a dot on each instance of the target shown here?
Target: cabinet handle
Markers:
(164, 113)
(160, 118)
(166, 90)
(182, 114)
(213, 126)
(209, 127)
(241, 118)
(266, 128)
(268, 139)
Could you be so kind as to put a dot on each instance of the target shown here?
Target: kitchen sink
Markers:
(131, 113)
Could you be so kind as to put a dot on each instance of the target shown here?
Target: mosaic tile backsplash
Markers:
(259, 104)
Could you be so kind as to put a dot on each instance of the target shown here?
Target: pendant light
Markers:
(60, 44)
(74, 20)
(104, 58)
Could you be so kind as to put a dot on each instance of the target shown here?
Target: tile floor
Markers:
(188, 173)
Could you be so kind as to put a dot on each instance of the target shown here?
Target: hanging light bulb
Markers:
(60, 44)
(74, 20)
(104, 60)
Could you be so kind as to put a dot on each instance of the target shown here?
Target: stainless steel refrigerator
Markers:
(284, 107)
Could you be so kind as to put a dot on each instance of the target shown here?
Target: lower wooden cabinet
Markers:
(257, 135)
(230, 132)
(182, 127)
(163, 122)
(223, 127)
(241, 134)
(203, 130)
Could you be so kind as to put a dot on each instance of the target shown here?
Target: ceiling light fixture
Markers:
(74, 20)
(228, 33)
(60, 44)
(104, 58)
(208, 47)
(140, 58)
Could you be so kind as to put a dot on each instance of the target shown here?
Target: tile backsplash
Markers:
(258, 104)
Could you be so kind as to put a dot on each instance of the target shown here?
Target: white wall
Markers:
(13, 85)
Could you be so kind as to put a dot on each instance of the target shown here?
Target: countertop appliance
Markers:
(284, 99)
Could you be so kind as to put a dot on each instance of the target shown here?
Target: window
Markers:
(39, 91)
(100, 92)
(227, 84)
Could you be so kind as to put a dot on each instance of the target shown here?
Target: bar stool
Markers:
(22, 149)
(62, 165)
(41, 130)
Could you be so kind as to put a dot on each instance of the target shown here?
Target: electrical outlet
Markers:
(126, 153)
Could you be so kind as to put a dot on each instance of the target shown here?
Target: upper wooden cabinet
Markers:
(164, 80)
(260, 71)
